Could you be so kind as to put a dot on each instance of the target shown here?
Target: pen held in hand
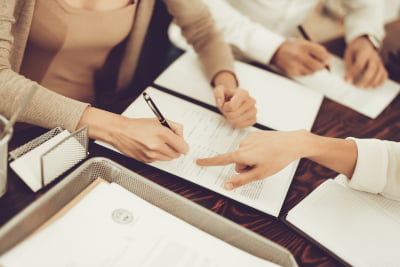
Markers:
(155, 110)
(303, 33)
(307, 37)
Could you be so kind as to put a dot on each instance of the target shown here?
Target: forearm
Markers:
(46, 109)
(337, 154)
(198, 28)
(102, 124)
(255, 41)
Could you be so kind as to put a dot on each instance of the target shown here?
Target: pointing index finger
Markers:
(219, 160)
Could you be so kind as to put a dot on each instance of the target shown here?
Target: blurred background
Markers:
(326, 22)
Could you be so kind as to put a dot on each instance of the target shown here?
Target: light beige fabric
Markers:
(64, 55)
(48, 109)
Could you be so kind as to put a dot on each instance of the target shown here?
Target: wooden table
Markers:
(333, 120)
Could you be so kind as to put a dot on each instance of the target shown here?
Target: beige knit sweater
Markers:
(48, 109)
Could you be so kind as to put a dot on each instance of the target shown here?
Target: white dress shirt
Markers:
(392, 10)
(378, 167)
(258, 27)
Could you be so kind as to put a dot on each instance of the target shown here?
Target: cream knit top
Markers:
(65, 54)
(49, 109)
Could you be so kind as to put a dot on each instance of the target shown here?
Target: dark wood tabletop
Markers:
(333, 120)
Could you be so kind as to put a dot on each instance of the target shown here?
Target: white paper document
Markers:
(362, 229)
(208, 134)
(111, 226)
(28, 166)
(282, 104)
(369, 102)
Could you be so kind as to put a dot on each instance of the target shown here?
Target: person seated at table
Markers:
(72, 48)
(371, 165)
(263, 31)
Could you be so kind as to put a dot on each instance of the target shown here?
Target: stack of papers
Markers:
(369, 102)
(361, 228)
(122, 229)
(282, 104)
(208, 134)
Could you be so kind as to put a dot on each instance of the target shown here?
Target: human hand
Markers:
(261, 154)
(147, 140)
(364, 67)
(300, 57)
(142, 139)
(235, 104)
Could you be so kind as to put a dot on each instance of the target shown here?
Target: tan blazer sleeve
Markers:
(198, 27)
(46, 109)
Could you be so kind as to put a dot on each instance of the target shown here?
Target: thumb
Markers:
(242, 179)
(219, 94)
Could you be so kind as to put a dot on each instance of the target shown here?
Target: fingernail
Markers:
(228, 186)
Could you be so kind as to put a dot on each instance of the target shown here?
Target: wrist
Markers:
(376, 44)
(225, 78)
(305, 142)
(364, 41)
(317, 147)
(102, 124)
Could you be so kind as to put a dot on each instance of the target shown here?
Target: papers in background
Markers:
(281, 103)
(208, 134)
(28, 166)
(360, 228)
(112, 227)
(369, 102)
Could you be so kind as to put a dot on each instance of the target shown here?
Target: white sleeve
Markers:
(364, 17)
(254, 41)
(378, 167)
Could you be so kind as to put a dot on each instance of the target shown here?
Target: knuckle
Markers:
(238, 155)
(176, 125)
(154, 146)
(150, 155)
(145, 159)
(358, 64)
(237, 182)
(251, 113)
(238, 168)
(174, 155)
(235, 125)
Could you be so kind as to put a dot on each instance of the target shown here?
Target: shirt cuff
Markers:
(352, 34)
(371, 167)
(262, 47)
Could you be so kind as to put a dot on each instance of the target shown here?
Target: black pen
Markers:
(307, 37)
(303, 33)
(155, 110)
